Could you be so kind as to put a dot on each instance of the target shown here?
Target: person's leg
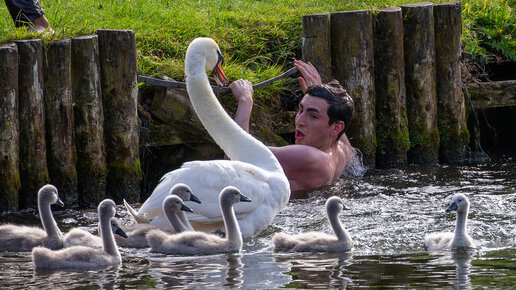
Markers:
(28, 13)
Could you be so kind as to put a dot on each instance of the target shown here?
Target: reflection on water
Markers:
(391, 211)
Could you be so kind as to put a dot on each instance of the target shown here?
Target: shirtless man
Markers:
(321, 150)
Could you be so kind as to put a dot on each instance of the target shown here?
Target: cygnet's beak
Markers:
(121, 233)
(453, 206)
(194, 198)
(218, 73)
(59, 202)
(244, 198)
(186, 208)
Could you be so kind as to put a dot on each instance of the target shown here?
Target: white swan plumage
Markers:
(24, 238)
(201, 243)
(460, 239)
(172, 206)
(253, 167)
(82, 257)
(80, 237)
(318, 241)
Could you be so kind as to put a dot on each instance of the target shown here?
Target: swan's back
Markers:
(318, 241)
(24, 238)
(80, 257)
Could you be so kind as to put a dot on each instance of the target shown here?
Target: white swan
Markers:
(81, 257)
(185, 193)
(317, 241)
(252, 167)
(80, 237)
(136, 233)
(453, 241)
(24, 238)
(201, 243)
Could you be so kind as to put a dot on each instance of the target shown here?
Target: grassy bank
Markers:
(258, 38)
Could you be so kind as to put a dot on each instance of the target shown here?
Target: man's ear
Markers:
(336, 128)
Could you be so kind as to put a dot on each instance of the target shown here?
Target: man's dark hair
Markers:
(341, 106)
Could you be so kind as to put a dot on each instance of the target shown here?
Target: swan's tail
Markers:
(136, 216)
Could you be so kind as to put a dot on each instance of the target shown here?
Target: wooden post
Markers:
(392, 136)
(353, 60)
(33, 159)
(9, 134)
(88, 121)
(453, 129)
(419, 50)
(317, 43)
(59, 120)
(117, 51)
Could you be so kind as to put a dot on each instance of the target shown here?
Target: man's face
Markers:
(312, 122)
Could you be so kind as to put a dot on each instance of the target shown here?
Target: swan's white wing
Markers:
(207, 179)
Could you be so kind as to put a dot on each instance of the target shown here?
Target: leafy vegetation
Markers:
(258, 38)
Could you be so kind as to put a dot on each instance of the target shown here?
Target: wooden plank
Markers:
(392, 135)
(88, 121)
(419, 52)
(9, 132)
(451, 111)
(353, 63)
(59, 120)
(117, 51)
(33, 148)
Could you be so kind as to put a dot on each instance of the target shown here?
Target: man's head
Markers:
(325, 110)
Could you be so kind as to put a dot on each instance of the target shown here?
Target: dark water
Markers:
(391, 211)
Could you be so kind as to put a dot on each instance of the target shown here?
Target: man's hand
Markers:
(309, 73)
(242, 90)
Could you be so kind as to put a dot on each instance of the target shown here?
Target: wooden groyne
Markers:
(69, 110)
(401, 66)
(52, 133)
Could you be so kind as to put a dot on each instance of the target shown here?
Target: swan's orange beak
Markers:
(218, 73)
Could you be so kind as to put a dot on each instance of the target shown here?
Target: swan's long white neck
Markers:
(236, 143)
(174, 221)
(460, 225)
(338, 229)
(230, 222)
(108, 239)
(47, 219)
(184, 221)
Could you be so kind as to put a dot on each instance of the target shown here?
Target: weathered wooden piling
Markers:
(317, 43)
(419, 51)
(392, 136)
(453, 129)
(88, 121)
(9, 135)
(57, 90)
(353, 63)
(117, 52)
(31, 113)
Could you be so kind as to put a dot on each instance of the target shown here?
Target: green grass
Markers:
(258, 38)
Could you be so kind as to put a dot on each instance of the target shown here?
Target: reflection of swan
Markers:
(80, 237)
(317, 241)
(24, 238)
(184, 192)
(452, 241)
(463, 261)
(172, 206)
(192, 243)
(81, 256)
(234, 273)
(253, 166)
